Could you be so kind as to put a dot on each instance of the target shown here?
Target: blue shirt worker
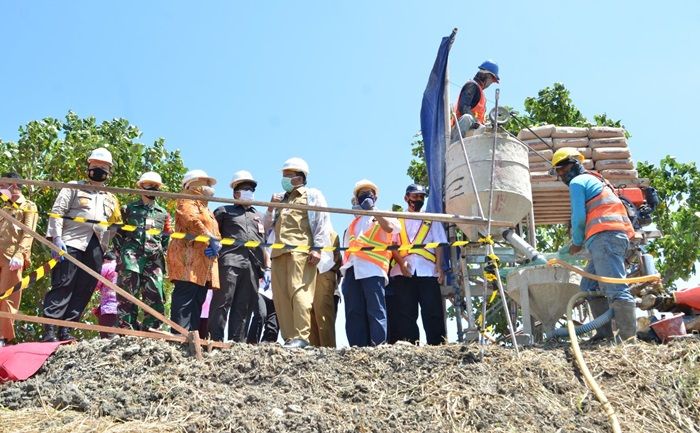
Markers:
(599, 221)
(416, 277)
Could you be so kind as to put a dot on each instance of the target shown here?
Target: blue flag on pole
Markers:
(432, 125)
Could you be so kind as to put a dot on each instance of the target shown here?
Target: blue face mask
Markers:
(287, 184)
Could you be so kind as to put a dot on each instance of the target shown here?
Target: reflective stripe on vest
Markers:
(479, 110)
(419, 239)
(375, 236)
(605, 212)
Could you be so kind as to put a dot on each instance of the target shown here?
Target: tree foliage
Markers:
(57, 150)
(678, 186)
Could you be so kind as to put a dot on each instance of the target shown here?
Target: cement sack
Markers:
(605, 132)
(619, 174)
(610, 153)
(569, 132)
(586, 152)
(534, 157)
(595, 143)
(541, 176)
(538, 144)
(543, 131)
(570, 142)
(607, 164)
(540, 166)
(588, 164)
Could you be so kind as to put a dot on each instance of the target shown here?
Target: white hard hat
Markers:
(197, 174)
(296, 164)
(150, 176)
(365, 183)
(100, 154)
(242, 176)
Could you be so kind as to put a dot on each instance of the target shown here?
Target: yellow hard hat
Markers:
(566, 154)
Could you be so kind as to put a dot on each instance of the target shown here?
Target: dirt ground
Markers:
(130, 385)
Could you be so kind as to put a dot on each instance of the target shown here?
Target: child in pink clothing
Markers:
(107, 311)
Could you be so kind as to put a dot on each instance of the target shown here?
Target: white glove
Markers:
(16, 263)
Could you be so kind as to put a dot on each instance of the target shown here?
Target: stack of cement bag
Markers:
(604, 149)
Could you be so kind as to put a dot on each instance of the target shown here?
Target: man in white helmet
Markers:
(365, 273)
(294, 272)
(71, 287)
(240, 267)
(142, 253)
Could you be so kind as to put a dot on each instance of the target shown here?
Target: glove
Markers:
(59, 243)
(213, 249)
(16, 263)
(267, 279)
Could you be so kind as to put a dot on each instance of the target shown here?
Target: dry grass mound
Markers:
(128, 384)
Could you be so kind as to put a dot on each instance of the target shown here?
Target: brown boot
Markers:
(625, 320)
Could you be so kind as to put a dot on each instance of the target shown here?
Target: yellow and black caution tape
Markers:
(8, 200)
(256, 244)
(38, 274)
(491, 267)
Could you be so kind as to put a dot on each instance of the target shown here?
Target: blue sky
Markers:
(245, 85)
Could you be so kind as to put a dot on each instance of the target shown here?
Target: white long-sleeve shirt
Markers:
(363, 268)
(417, 264)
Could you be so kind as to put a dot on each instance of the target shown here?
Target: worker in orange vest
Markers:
(471, 103)
(416, 277)
(366, 272)
(599, 221)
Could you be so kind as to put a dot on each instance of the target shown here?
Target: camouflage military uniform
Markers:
(141, 261)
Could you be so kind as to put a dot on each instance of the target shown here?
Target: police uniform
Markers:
(141, 264)
(71, 287)
(240, 269)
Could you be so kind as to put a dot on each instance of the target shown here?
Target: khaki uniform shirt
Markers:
(14, 242)
(292, 226)
(95, 205)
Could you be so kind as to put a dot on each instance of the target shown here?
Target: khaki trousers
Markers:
(293, 284)
(323, 311)
(8, 279)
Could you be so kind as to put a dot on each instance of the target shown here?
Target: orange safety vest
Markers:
(605, 212)
(419, 239)
(375, 236)
(479, 110)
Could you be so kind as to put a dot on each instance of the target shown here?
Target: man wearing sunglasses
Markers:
(599, 221)
(142, 253)
(240, 267)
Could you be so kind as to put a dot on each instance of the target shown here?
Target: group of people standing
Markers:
(256, 290)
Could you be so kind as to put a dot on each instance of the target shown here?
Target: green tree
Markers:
(55, 150)
(678, 186)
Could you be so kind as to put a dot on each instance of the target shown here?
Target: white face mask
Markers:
(246, 195)
(208, 191)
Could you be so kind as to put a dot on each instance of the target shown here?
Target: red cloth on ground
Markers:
(21, 361)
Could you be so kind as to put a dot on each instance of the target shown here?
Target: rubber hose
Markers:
(609, 280)
(587, 327)
(578, 356)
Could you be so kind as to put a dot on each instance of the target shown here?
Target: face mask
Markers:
(150, 197)
(98, 174)
(416, 205)
(287, 184)
(6, 192)
(208, 191)
(366, 200)
(246, 195)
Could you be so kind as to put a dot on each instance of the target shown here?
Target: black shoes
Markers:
(3, 342)
(296, 343)
(49, 334)
(64, 335)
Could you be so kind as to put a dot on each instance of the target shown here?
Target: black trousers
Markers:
(235, 301)
(264, 322)
(403, 298)
(186, 304)
(71, 287)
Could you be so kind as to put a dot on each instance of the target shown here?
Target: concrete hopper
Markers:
(512, 195)
(549, 289)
